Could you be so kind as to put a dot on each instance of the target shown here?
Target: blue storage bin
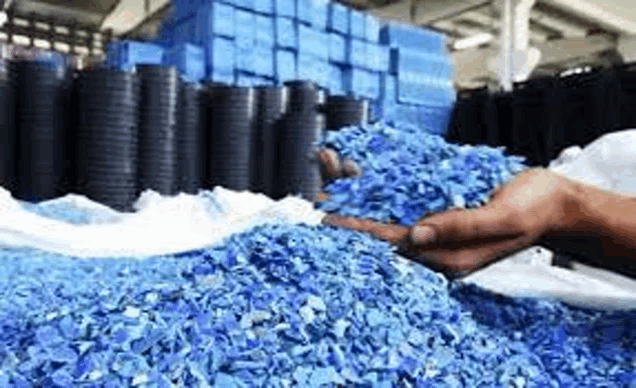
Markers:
(286, 8)
(285, 65)
(215, 19)
(221, 55)
(357, 53)
(312, 68)
(320, 14)
(263, 60)
(313, 42)
(336, 79)
(409, 60)
(378, 57)
(388, 88)
(372, 28)
(357, 22)
(265, 7)
(224, 76)
(338, 18)
(126, 54)
(286, 33)
(189, 60)
(417, 88)
(398, 35)
(337, 48)
(245, 58)
(245, 27)
(265, 30)
(313, 12)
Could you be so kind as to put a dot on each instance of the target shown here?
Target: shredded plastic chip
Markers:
(408, 173)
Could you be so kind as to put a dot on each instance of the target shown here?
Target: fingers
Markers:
(333, 167)
(330, 163)
(395, 234)
(350, 168)
(465, 225)
(471, 257)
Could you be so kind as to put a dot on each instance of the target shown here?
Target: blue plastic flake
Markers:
(408, 173)
(290, 305)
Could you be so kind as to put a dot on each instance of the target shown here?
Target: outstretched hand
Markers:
(530, 206)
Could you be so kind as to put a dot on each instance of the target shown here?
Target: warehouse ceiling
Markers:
(82, 12)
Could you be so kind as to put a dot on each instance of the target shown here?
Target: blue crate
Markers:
(286, 33)
(189, 60)
(431, 119)
(338, 20)
(286, 65)
(417, 88)
(223, 76)
(398, 35)
(357, 23)
(214, 19)
(365, 83)
(125, 55)
(372, 28)
(313, 12)
(336, 79)
(313, 42)
(265, 7)
(337, 48)
(388, 88)
(251, 80)
(265, 31)
(263, 60)
(245, 27)
(286, 8)
(245, 58)
(378, 57)
(312, 68)
(357, 53)
(221, 55)
(404, 59)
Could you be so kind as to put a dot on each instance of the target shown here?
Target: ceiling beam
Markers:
(495, 24)
(427, 12)
(567, 29)
(590, 11)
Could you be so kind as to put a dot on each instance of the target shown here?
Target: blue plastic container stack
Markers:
(404, 71)
(418, 88)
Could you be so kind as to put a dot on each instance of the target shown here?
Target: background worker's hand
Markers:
(531, 205)
(333, 166)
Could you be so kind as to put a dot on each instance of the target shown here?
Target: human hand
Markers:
(332, 165)
(460, 241)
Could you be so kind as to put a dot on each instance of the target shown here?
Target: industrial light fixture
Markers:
(3, 18)
(473, 41)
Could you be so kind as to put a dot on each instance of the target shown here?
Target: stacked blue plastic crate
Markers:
(418, 88)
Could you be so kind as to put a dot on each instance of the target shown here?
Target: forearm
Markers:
(609, 216)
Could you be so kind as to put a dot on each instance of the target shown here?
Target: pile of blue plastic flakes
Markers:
(282, 306)
(408, 173)
(303, 306)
